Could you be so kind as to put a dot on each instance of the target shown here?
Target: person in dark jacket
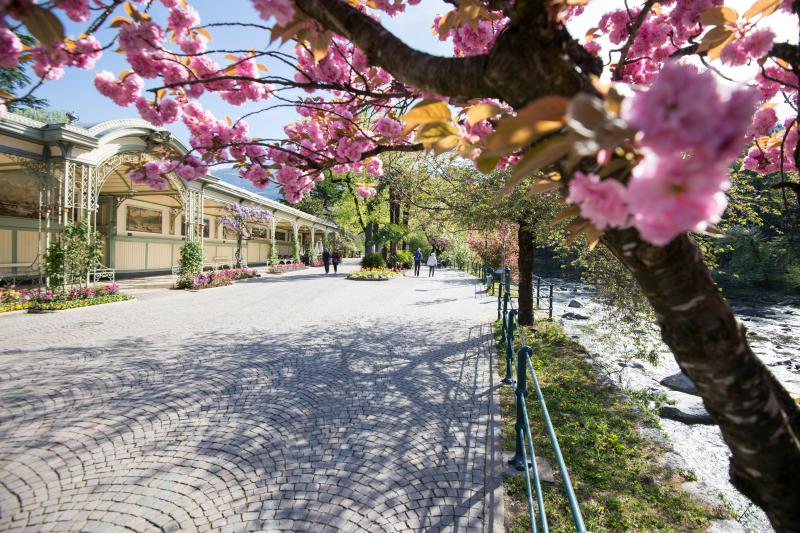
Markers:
(417, 261)
(335, 259)
(326, 260)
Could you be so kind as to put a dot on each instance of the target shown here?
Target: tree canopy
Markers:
(629, 124)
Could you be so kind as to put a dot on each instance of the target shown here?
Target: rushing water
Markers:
(770, 335)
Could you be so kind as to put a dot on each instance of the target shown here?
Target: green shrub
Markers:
(191, 259)
(54, 265)
(402, 259)
(793, 276)
(372, 261)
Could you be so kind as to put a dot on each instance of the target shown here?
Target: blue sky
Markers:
(75, 91)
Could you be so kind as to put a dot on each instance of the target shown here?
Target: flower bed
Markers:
(215, 278)
(316, 263)
(49, 300)
(373, 274)
(14, 299)
(289, 267)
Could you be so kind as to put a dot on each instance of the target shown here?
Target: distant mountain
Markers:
(231, 175)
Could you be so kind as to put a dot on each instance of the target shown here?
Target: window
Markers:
(258, 233)
(206, 228)
(280, 236)
(144, 220)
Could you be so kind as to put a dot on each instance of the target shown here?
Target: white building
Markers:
(52, 174)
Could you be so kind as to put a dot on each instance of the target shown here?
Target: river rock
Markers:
(673, 461)
(575, 303)
(688, 412)
(574, 316)
(726, 526)
(680, 382)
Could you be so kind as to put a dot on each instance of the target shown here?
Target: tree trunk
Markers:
(525, 238)
(394, 215)
(406, 212)
(369, 237)
(239, 251)
(759, 420)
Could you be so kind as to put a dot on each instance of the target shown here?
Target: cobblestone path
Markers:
(292, 403)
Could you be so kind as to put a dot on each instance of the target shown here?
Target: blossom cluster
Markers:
(690, 130)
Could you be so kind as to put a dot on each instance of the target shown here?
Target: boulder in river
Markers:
(575, 304)
(687, 412)
(574, 316)
(680, 382)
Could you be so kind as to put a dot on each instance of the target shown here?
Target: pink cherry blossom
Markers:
(124, 92)
(671, 194)
(764, 120)
(366, 192)
(388, 127)
(10, 48)
(166, 111)
(281, 10)
(603, 202)
(76, 10)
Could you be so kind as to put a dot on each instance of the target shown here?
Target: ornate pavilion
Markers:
(53, 174)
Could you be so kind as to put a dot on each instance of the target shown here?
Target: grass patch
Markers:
(60, 305)
(615, 472)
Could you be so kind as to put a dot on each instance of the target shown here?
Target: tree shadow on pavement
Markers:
(377, 427)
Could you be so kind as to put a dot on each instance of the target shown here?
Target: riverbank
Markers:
(622, 470)
(700, 445)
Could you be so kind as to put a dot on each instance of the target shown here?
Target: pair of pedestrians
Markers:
(431, 262)
(328, 258)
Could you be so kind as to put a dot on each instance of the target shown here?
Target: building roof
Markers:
(97, 135)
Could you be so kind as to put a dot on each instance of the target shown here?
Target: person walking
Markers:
(417, 261)
(431, 264)
(326, 260)
(335, 259)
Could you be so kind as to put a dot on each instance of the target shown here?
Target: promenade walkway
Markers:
(287, 403)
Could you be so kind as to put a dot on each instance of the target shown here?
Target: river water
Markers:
(701, 446)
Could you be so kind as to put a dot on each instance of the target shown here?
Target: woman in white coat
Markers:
(431, 264)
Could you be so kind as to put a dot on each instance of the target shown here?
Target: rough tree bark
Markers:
(758, 418)
(526, 243)
(534, 58)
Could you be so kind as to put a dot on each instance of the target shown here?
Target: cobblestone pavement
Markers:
(302, 402)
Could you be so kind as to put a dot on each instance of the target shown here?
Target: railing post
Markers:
(538, 290)
(520, 392)
(509, 339)
(551, 302)
(499, 299)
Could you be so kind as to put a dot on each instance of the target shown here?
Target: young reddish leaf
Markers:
(119, 22)
(480, 112)
(564, 214)
(43, 25)
(204, 32)
(541, 155)
(764, 8)
(487, 164)
(425, 112)
(718, 16)
(540, 186)
(531, 122)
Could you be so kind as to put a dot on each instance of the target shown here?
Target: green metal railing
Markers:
(525, 454)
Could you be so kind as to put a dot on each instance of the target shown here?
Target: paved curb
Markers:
(494, 514)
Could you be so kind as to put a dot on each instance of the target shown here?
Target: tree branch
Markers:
(460, 77)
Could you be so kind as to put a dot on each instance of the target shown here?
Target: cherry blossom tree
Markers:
(637, 173)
